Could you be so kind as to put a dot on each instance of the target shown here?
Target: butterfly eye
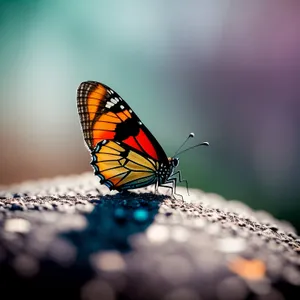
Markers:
(175, 161)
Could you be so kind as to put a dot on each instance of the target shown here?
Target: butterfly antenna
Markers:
(201, 144)
(191, 135)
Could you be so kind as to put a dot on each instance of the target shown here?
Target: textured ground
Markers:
(64, 233)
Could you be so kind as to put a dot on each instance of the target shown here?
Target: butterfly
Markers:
(125, 154)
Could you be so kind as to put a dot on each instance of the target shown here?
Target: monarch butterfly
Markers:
(125, 155)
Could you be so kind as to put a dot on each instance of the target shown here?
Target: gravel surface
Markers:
(70, 233)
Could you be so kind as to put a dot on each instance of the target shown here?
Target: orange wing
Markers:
(104, 115)
(96, 122)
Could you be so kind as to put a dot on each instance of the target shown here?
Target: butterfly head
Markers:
(173, 161)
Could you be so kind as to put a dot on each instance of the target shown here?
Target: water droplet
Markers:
(17, 225)
(158, 234)
(109, 261)
(26, 265)
(180, 234)
(231, 245)
(120, 214)
(97, 289)
(141, 215)
(232, 288)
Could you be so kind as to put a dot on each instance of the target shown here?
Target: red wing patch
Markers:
(131, 141)
(142, 143)
(146, 144)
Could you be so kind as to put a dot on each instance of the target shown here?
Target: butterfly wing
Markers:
(120, 167)
(104, 115)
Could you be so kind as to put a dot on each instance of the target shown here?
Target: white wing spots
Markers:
(140, 123)
(120, 99)
(83, 93)
(110, 91)
(109, 104)
(122, 106)
(114, 101)
(130, 110)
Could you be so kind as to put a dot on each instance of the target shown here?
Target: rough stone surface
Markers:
(71, 233)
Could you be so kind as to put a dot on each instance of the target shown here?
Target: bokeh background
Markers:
(226, 70)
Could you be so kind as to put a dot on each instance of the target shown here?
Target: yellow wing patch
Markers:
(104, 157)
(120, 168)
(110, 150)
(134, 176)
(138, 159)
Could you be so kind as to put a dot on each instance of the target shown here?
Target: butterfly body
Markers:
(125, 155)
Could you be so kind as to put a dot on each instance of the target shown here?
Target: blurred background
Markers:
(226, 70)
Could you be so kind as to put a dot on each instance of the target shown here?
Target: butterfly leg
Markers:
(173, 181)
(180, 179)
(156, 188)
